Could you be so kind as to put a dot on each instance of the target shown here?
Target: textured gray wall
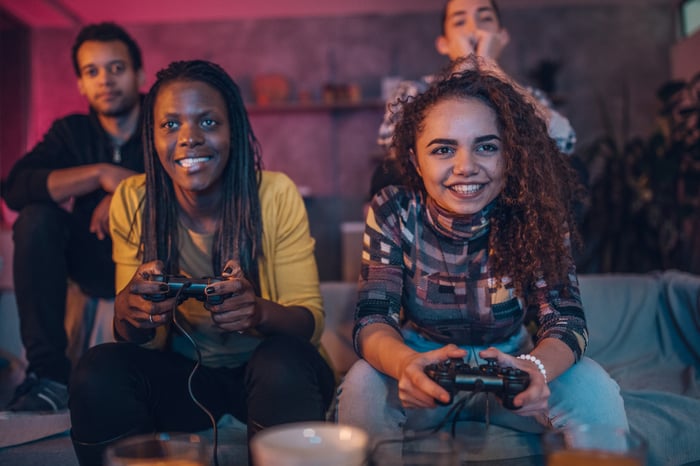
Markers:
(602, 50)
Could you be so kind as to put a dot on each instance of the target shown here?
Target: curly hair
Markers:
(239, 234)
(533, 221)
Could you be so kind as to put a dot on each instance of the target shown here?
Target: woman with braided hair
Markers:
(250, 344)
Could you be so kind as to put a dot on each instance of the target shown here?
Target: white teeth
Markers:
(467, 188)
(191, 161)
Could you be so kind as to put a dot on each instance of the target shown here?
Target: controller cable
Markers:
(198, 363)
(453, 413)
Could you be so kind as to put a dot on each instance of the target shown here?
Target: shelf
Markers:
(292, 107)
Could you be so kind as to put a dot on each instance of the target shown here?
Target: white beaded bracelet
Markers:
(536, 362)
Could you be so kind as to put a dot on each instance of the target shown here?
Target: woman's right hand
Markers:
(416, 389)
(132, 309)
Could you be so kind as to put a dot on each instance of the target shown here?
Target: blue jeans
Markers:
(584, 394)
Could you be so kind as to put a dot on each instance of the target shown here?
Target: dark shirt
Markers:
(72, 141)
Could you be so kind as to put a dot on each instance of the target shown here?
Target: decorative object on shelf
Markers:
(341, 93)
(271, 89)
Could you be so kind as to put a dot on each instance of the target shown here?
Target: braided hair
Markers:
(239, 234)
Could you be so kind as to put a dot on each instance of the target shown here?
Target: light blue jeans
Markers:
(584, 394)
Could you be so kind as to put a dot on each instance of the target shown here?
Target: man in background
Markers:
(467, 27)
(62, 190)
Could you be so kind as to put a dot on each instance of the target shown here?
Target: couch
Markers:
(644, 329)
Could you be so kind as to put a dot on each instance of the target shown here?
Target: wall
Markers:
(602, 49)
(684, 57)
(608, 53)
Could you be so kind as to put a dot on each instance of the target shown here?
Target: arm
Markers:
(561, 340)
(291, 297)
(377, 336)
(132, 313)
(384, 349)
(60, 166)
(65, 183)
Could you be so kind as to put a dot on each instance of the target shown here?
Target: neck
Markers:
(121, 127)
(199, 212)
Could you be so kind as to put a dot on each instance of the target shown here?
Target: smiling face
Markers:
(459, 155)
(192, 135)
(107, 78)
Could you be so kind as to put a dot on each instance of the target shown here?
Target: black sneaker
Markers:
(39, 394)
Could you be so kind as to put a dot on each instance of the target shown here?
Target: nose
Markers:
(464, 163)
(470, 25)
(105, 77)
(190, 136)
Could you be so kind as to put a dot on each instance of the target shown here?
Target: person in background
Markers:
(467, 27)
(81, 160)
(204, 208)
(457, 260)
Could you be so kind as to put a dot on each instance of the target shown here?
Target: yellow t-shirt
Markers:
(288, 272)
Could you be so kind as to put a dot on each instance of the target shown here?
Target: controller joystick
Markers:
(455, 375)
(187, 288)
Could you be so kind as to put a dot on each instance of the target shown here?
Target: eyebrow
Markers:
(453, 142)
(92, 65)
(209, 113)
(488, 137)
(442, 141)
(482, 9)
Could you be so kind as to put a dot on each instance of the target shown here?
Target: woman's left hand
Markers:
(239, 310)
(534, 400)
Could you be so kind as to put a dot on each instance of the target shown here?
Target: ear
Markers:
(441, 45)
(505, 37)
(414, 161)
(81, 88)
(141, 78)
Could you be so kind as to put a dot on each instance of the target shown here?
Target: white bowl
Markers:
(310, 444)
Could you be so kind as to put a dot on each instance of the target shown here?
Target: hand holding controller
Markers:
(191, 288)
(454, 375)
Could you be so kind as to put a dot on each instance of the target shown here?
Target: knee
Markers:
(587, 379)
(589, 395)
(281, 360)
(39, 220)
(98, 373)
(362, 385)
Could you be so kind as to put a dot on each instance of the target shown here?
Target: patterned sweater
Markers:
(435, 270)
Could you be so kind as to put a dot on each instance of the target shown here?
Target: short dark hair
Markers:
(443, 16)
(106, 32)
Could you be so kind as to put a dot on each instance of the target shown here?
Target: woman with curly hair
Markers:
(476, 239)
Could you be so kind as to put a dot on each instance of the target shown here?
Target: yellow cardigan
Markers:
(288, 272)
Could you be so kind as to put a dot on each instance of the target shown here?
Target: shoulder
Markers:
(135, 183)
(394, 201)
(279, 196)
(74, 120)
(411, 88)
(130, 191)
(73, 123)
(399, 194)
(275, 183)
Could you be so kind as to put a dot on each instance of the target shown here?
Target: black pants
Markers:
(51, 246)
(121, 389)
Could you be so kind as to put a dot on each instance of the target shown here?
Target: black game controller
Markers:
(187, 288)
(454, 375)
